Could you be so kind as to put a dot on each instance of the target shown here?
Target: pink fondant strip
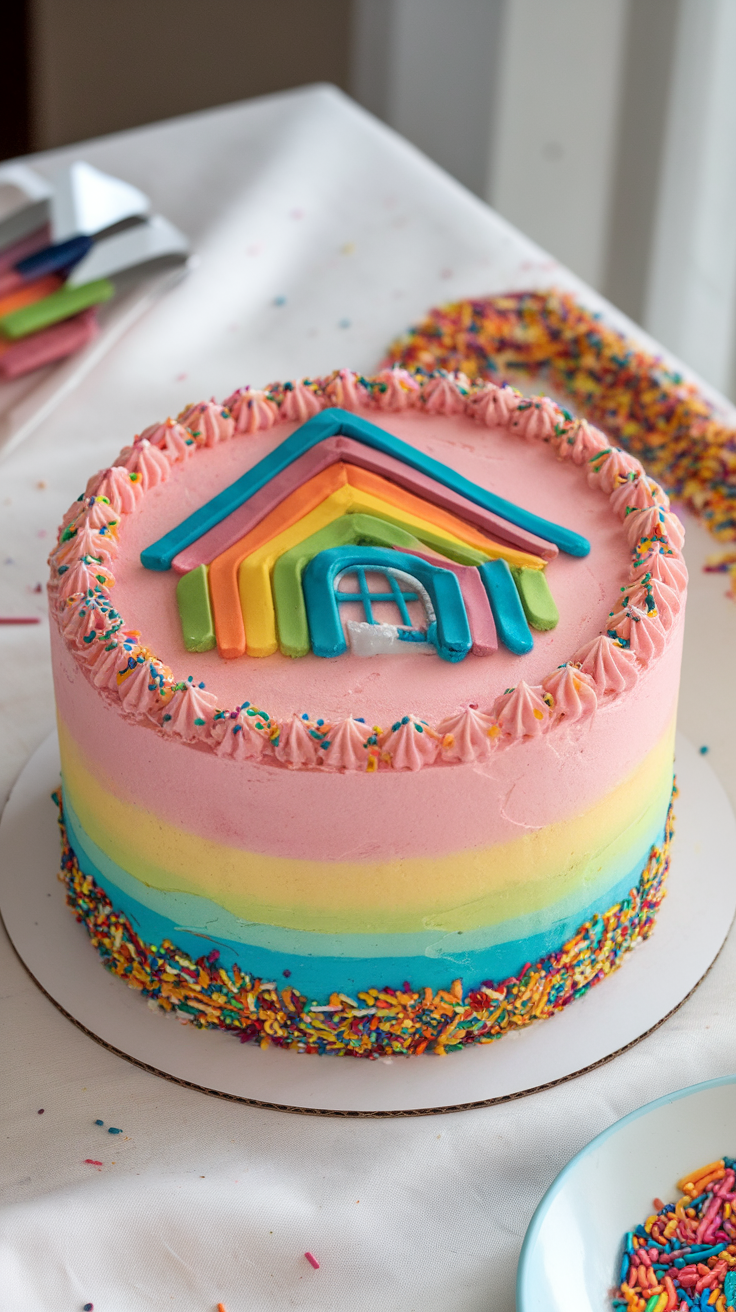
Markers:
(477, 605)
(320, 457)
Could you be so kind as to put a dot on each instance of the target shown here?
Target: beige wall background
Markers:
(100, 66)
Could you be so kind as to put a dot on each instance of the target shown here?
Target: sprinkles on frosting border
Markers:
(381, 1021)
(119, 662)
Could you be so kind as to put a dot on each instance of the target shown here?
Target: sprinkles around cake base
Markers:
(382, 1021)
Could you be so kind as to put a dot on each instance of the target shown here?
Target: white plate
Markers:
(571, 1254)
(654, 980)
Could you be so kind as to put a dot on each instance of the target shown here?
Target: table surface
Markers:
(320, 234)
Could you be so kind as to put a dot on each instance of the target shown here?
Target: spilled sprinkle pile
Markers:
(651, 410)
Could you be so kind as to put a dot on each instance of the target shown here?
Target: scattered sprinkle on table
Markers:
(88, 1307)
(41, 1111)
(99, 1122)
(20, 619)
(704, 751)
(90, 1161)
(221, 1307)
(312, 1260)
(114, 1130)
(684, 1255)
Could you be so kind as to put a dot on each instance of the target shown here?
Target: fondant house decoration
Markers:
(342, 512)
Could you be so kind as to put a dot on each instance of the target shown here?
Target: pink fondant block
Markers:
(48, 345)
(246, 517)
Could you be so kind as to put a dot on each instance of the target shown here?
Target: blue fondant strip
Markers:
(508, 612)
(453, 639)
(341, 423)
(320, 964)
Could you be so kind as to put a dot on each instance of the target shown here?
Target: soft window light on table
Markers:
(403, 1214)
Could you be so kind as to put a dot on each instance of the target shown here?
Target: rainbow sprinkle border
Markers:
(654, 413)
(383, 1022)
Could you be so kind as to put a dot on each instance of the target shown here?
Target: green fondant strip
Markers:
(195, 611)
(350, 530)
(536, 598)
(54, 308)
(508, 612)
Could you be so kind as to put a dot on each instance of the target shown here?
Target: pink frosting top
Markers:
(617, 606)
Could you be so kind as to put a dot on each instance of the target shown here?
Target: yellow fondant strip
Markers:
(254, 579)
(461, 891)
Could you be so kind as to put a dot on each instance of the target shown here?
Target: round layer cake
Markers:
(366, 693)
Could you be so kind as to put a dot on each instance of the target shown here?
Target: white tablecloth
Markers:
(320, 235)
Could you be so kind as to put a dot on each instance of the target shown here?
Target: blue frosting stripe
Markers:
(334, 422)
(508, 612)
(317, 965)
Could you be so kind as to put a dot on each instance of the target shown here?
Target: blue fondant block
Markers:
(508, 612)
(341, 423)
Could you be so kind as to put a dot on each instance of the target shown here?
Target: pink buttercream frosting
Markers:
(522, 712)
(573, 693)
(637, 492)
(608, 470)
(579, 442)
(536, 419)
(607, 666)
(138, 688)
(643, 633)
(208, 422)
(396, 389)
(612, 668)
(189, 712)
(468, 736)
(299, 403)
(251, 410)
(297, 747)
(654, 523)
(494, 406)
(345, 390)
(147, 460)
(120, 489)
(665, 566)
(410, 745)
(348, 746)
(442, 396)
(238, 737)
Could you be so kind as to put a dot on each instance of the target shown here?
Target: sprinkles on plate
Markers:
(381, 1021)
(651, 410)
(684, 1255)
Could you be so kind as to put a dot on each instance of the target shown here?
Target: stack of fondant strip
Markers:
(59, 247)
(261, 563)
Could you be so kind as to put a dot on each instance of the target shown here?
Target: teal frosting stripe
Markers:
(320, 964)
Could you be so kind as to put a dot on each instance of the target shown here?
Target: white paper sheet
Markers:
(320, 235)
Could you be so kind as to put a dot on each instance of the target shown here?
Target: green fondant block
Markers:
(52, 309)
(195, 611)
(536, 598)
(350, 530)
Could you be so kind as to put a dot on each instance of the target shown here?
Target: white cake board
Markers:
(656, 979)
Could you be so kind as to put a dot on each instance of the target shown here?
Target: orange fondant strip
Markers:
(223, 574)
(28, 295)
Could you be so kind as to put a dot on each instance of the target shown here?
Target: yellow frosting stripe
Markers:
(463, 891)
